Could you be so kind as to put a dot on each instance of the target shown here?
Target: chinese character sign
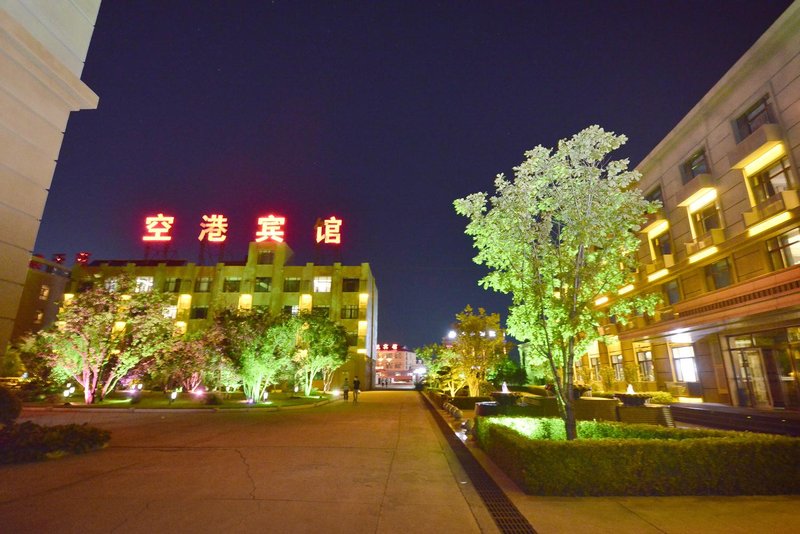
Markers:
(158, 228)
(214, 228)
(270, 227)
(329, 231)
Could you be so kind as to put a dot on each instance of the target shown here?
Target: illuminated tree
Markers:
(441, 364)
(321, 349)
(480, 347)
(559, 236)
(187, 362)
(260, 346)
(107, 331)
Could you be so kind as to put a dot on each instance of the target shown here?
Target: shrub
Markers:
(619, 459)
(212, 399)
(29, 442)
(10, 407)
(661, 397)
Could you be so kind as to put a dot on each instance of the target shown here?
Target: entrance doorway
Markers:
(751, 380)
(764, 369)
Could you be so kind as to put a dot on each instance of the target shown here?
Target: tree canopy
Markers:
(558, 237)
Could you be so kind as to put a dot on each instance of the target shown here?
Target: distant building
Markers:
(41, 297)
(396, 363)
(724, 252)
(345, 294)
(44, 46)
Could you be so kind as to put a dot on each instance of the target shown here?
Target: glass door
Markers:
(751, 379)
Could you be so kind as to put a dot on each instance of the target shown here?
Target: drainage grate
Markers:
(505, 514)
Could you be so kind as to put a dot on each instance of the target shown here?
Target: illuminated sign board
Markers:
(214, 229)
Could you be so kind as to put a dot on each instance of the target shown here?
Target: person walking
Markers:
(356, 387)
(345, 389)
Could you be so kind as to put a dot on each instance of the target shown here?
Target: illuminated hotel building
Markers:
(346, 294)
(396, 363)
(724, 252)
(44, 46)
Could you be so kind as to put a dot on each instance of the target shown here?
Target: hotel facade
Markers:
(724, 251)
(346, 294)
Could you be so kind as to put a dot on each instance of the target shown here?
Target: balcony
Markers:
(715, 237)
(665, 262)
(785, 200)
(755, 145)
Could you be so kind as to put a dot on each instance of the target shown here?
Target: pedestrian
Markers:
(356, 387)
(345, 389)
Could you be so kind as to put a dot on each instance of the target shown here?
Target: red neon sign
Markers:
(270, 227)
(214, 228)
(329, 231)
(158, 228)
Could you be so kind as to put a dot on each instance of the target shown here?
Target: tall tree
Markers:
(441, 364)
(480, 345)
(322, 349)
(558, 237)
(105, 332)
(259, 344)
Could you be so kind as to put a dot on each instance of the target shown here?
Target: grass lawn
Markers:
(158, 399)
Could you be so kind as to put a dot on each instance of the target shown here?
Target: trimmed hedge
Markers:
(28, 442)
(620, 459)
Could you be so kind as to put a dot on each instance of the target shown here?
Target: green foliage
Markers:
(661, 397)
(187, 362)
(639, 459)
(28, 442)
(559, 235)
(480, 347)
(443, 368)
(10, 406)
(105, 332)
(631, 372)
(321, 349)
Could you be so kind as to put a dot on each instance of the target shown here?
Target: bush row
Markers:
(619, 459)
(28, 442)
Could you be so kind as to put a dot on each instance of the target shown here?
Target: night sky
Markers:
(381, 113)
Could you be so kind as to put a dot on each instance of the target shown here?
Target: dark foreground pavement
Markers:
(379, 466)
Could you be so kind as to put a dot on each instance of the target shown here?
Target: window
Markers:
(321, 311)
(202, 285)
(351, 285)
(266, 257)
(617, 366)
(38, 317)
(263, 284)
(172, 285)
(695, 166)
(144, 284)
(754, 118)
(291, 310)
(231, 284)
(350, 311)
(322, 284)
(771, 180)
(44, 292)
(171, 312)
(672, 292)
(594, 363)
(685, 368)
(111, 284)
(352, 339)
(198, 312)
(291, 285)
(662, 245)
(718, 274)
(706, 219)
(655, 196)
(645, 361)
(784, 250)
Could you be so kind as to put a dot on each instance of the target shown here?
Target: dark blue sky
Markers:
(381, 113)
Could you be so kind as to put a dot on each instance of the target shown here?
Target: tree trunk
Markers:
(570, 424)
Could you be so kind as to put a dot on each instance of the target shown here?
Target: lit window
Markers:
(263, 284)
(594, 363)
(771, 181)
(202, 285)
(706, 219)
(350, 311)
(44, 292)
(322, 284)
(662, 246)
(231, 285)
(111, 284)
(645, 361)
(144, 284)
(172, 285)
(784, 250)
(616, 365)
(38, 317)
(291, 309)
(171, 312)
(685, 368)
